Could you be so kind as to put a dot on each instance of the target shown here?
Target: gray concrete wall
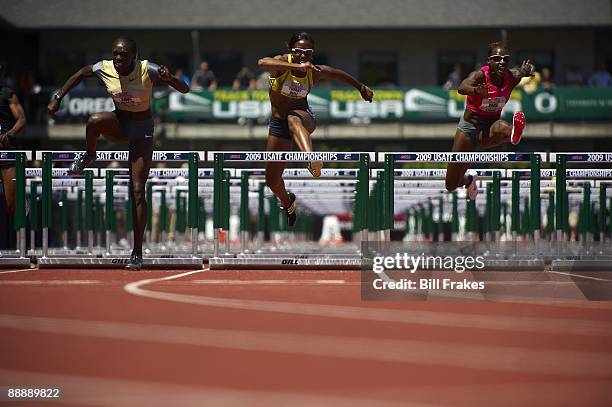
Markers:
(417, 50)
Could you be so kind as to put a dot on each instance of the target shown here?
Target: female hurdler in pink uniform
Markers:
(487, 92)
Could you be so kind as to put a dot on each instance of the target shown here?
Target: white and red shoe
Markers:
(518, 125)
(472, 187)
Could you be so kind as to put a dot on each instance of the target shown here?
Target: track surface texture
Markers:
(291, 338)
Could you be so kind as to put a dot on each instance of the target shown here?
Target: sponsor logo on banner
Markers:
(189, 102)
(83, 103)
(417, 100)
(545, 103)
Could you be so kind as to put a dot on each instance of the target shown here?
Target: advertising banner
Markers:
(410, 105)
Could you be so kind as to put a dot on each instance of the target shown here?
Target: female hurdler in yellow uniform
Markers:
(292, 76)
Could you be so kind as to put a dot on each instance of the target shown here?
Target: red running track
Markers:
(176, 338)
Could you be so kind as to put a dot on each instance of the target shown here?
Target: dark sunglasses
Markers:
(303, 51)
(499, 58)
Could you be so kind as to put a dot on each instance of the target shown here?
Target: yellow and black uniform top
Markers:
(290, 85)
(132, 92)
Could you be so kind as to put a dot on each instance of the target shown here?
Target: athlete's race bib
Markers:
(294, 89)
(493, 104)
(126, 99)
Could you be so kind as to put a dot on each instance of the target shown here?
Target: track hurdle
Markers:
(60, 182)
(291, 260)
(492, 196)
(337, 187)
(18, 258)
(164, 187)
(476, 158)
(586, 258)
(97, 260)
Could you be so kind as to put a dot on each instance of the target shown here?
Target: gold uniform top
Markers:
(294, 87)
(132, 92)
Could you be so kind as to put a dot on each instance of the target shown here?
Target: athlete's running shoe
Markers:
(290, 211)
(315, 168)
(135, 262)
(78, 165)
(472, 186)
(518, 125)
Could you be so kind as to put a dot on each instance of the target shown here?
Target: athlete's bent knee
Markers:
(95, 120)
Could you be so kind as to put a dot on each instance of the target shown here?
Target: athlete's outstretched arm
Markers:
(279, 64)
(474, 84)
(84, 72)
(519, 72)
(329, 73)
(172, 80)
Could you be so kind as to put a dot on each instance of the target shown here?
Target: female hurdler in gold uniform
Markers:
(292, 76)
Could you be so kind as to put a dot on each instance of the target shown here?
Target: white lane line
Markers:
(50, 282)
(488, 357)
(106, 392)
(16, 271)
(561, 326)
(580, 276)
(579, 304)
(273, 282)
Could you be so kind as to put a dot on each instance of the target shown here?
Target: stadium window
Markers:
(378, 68)
(61, 65)
(225, 65)
(320, 59)
(173, 60)
(447, 61)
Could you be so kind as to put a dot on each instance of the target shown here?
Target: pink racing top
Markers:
(496, 98)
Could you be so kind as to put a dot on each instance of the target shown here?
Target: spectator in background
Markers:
(244, 79)
(454, 78)
(573, 76)
(530, 84)
(600, 78)
(547, 81)
(204, 78)
(180, 73)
